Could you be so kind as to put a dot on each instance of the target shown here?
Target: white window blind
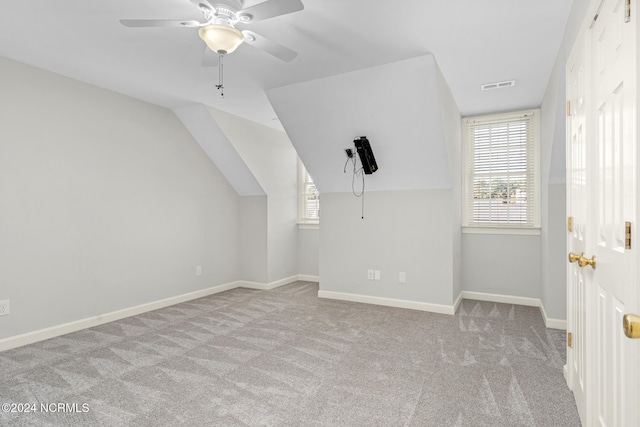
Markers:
(308, 198)
(501, 170)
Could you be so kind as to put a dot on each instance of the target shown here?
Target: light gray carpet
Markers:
(286, 358)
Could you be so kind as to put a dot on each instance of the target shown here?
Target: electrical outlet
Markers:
(402, 277)
(377, 275)
(4, 307)
(198, 270)
(370, 274)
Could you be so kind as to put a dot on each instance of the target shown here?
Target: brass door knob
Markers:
(583, 261)
(573, 257)
(631, 325)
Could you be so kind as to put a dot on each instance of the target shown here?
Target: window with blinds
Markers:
(308, 198)
(501, 170)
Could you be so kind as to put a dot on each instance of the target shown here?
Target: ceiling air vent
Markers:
(498, 85)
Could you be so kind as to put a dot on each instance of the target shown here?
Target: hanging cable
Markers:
(362, 207)
(357, 172)
(220, 84)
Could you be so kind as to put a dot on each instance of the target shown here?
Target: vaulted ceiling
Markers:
(473, 41)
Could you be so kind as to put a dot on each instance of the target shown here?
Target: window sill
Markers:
(308, 225)
(535, 231)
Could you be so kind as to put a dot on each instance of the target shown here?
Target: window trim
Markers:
(469, 227)
(305, 223)
(529, 231)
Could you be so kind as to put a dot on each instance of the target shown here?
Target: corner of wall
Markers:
(272, 160)
(452, 133)
(553, 194)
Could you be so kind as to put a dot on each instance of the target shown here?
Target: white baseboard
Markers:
(389, 302)
(269, 286)
(508, 299)
(447, 309)
(308, 278)
(66, 328)
(457, 302)
(552, 323)
(254, 285)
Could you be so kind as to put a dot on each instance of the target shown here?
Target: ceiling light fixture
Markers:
(221, 38)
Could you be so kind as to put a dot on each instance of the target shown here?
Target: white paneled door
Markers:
(577, 202)
(602, 197)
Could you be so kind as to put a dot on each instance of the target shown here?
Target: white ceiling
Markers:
(473, 41)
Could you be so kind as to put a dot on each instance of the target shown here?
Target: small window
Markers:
(308, 198)
(501, 171)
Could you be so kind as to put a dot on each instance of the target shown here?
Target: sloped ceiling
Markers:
(338, 42)
(474, 42)
(395, 106)
(206, 131)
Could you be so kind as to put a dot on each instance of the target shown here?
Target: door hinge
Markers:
(627, 235)
(569, 339)
(570, 224)
(568, 108)
(627, 11)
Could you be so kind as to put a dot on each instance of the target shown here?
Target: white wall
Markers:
(501, 264)
(106, 202)
(206, 131)
(273, 161)
(554, 288)
(253, 244)
(411, 222)
(309, 252)
(552, 181)
(395, 105)
(402, 231)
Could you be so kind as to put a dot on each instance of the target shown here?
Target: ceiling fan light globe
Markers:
(221, 38)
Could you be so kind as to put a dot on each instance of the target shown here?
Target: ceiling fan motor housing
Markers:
(225, 13)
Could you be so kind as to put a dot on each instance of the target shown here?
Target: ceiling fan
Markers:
(219, 31)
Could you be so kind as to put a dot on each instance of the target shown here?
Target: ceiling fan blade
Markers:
(159, 23)
(210, 58)
(269, 46)
(203, 5)
(270, 8)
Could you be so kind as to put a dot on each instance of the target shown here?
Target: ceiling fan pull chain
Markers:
(220, 86)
